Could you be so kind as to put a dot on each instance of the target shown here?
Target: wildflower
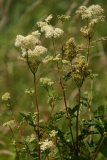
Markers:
(63, 18)
(6, 96)
(48, 18)
(53, 133)
(47, 144)
(94, 11)
(71, 49)
(29, 91)
(46, 81)
(47, 59)
(31, 138)
(9, 123)
(57, 58)
(50, 31)
(37, 52)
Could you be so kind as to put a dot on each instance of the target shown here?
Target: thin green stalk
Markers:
(77, 119)
(15, 143)
(37, 110)
(90, 102)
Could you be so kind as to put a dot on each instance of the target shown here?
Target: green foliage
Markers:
(49, 129)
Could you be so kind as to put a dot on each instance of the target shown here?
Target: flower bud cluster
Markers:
(71, 49)
(79, 69)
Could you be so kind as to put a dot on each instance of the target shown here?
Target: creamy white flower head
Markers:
(41, 24)
(53, 133)
(51, 32)
(57, 57)
(47, 144)
(46, 81)
(47, 59)
(9, 123)
(94, 11)
(36, 33)
(49, 18)
(38, 50)
(6, 96)
(31, 138)
(27, 42)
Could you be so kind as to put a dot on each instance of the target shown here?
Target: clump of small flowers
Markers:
(31, 138)
(93, 15)
(45, 145)
(29, 91)
(46, 81)
(63, 18)
(53, 133)
(30, 45)
(9, 123)
(6, 96)
(50, 31)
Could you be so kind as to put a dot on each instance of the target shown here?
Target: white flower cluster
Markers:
(46, 81)
(30, 45)
(29, 91)
(6, 96)
(50, 31)
(47, 59)
(53, 133)
(31, 138)
(93, 15)
(9, 123)
(47, 144)
(94, 11)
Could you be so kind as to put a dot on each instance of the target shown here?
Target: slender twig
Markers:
(15, 143)
(97, 150)
(77, 117)
(37, 110)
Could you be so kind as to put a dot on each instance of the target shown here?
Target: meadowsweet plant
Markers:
(76, 140)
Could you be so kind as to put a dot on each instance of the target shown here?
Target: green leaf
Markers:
(73, 110)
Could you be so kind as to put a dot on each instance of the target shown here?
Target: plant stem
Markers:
(64, 96)
(37, 110)
(97, 150)
(77, 116)
(15, 143)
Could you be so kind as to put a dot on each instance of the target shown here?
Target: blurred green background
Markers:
(19, 17)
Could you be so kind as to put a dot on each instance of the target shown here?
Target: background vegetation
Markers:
(19, 17)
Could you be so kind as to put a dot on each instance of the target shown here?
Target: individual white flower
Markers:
(36, 33)
(47, 144)
(9, 123)
(48, 18)
(53, 133)
(6, 96)
(46, 81)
